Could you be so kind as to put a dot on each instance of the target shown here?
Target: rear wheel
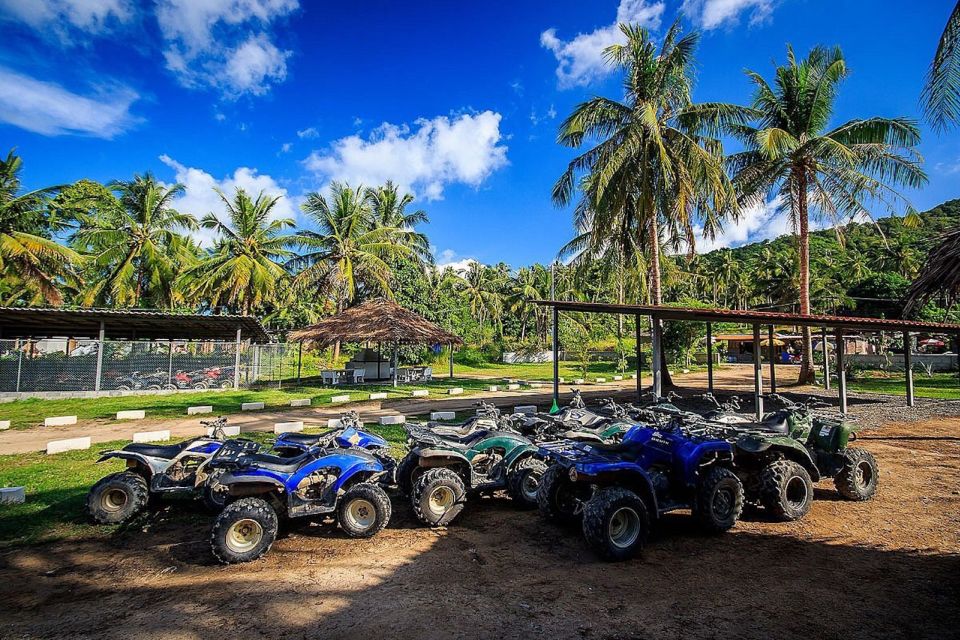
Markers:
(786, 490)
(117, 498)
(616, 523)
(859, 475)
(243, 531)
(364, 510)
(523, 481)
(438, 497)
(719, 500)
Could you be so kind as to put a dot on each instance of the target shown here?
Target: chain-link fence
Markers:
(48, 365)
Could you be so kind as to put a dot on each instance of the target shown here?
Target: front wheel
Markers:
(438, 497)
(117, 498)
(364, 510)
(859, 475)
(524, 480)
(557, 497)
(786, 490)
(719, 500)
(616, 523)
(243, 531)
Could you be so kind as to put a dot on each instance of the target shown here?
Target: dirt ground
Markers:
(886, 568)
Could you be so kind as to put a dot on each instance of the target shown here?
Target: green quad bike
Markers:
(780, 457)
(441, 470)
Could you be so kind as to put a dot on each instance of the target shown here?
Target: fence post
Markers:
(236, 363)
(20, 362)
(170, 363)
(100, 345)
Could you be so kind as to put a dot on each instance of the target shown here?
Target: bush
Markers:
(474, 357)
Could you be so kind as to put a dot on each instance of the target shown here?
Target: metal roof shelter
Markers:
(839, 324)
(22, 322)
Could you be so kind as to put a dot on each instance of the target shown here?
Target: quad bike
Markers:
(440, 471)
(348, 434)
(575, 422)
(487, 418)
(263, 488)
(158, 470)
(621, 489)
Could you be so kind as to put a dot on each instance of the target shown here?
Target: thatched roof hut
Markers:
(382, 321)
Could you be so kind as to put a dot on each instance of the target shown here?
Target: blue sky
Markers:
(459, 102)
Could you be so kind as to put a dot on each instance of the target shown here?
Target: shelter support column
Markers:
(100, 347)
(656, 342)
(757, 373)
(773, 360)
(841, 371)
(908, 365)
(236, 361)
(639, 361)
(710, 357)
(299, 360)
(396, 346)
(451, 361)
(826, 358)
(556, 360)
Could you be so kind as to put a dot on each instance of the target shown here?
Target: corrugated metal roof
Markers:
(24, 322)
(754, 317)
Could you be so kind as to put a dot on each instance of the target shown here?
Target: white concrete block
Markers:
(152, 436)
(579, 381)
(72, 444)
(135, 414)
(536, 385)
(493, 387)
(13, 495)
(339, 399)
(618, 377)
(59, 421)
(288, 427)
(227, 431)
(4, 425)
(393, 419)
(300, 402)
(419, 393)
(561, 380)
(633, 376)
(688, 370)
(334, 423)
(528, 409)
(455, 391)
(512, 381)
(443, 415)
(204, 408)
(513, 386)
(378, 396)
(251, 406)
(601, 379)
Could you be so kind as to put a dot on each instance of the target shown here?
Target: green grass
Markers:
(57, 487)
(24, 414)
(944, 386)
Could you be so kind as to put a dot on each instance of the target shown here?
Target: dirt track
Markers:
(886, 568)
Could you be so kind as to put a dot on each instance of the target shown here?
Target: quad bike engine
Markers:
(485, 463)
(315, 485)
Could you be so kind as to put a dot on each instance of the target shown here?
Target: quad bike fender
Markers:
(360, 471)
(784, 445)
(135, 460)
(702, 455)
(518, 454)
(624, 475)
(440, 457)
(244, 484)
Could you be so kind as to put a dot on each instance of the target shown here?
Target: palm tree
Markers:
(135, 246)
(941, 94)
(791, 152)
(655, 163)
(36, 265)
(481, 288)
(243, 270)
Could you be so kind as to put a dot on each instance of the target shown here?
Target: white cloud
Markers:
(309, 132)
(757, 223)
(225, 44)
(440, 151)
(60, 17)
(49, 109)
(711, 14)
(286, 147)
(448, 259)
(201, 199)
(581, 59)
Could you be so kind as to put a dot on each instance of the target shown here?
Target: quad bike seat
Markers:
(167, 451)
(276, 463)
(776, 422)
(305, 439)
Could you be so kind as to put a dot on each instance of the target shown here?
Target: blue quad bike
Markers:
(621, 489)
(348, 434)
(159, 470)
(263, 489)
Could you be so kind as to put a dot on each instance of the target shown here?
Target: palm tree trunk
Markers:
(656, 294)
(807, 373)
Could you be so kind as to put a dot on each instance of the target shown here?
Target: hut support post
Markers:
(656, 341)
(395, 360)
(556, 360)
(710, 357)
(236, 362)
(20, 348)
(773, 361)
(100, 346)
(757, 373)
(451, 361)
(639, 362)
(841, 372)
(826, 359)
(908, 365)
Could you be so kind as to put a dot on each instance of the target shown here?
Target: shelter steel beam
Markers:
(556, 361)
(773, 360)
(639, 362)
(656, 341)
(908, 365)
(757, 373)
(100, 346)
(710, 357)
(841, 371)
(236, 362)
(826, 358)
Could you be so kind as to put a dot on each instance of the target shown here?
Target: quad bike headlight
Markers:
(573, 474)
